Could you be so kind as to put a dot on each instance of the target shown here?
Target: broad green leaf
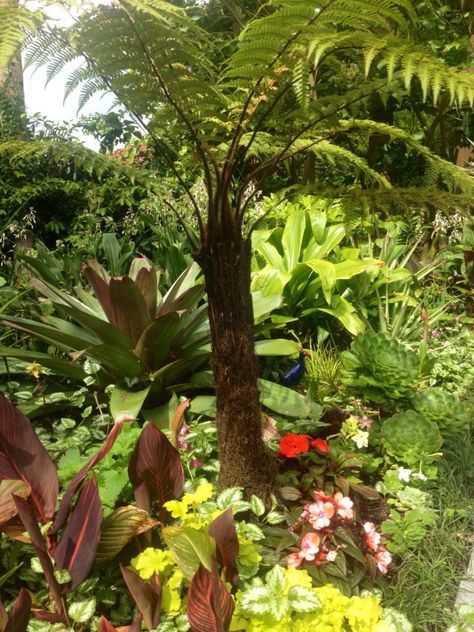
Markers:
(190, 548)
(203, 405)
(283, 400)
(126, 405)
(278, 347)
(326, 272)
(264, 304)
(346, 314)
(82, 611)
(292, 238)
(303, 600)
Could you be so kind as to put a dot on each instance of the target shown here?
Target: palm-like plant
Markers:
(246, 107)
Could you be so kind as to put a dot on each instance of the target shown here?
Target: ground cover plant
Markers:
(270, 436)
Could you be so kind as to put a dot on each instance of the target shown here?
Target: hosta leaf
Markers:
(78, 544)
(155, 467)
(190, 548)
(209, 606)
(222, 529)
(23, 457)
(119, 528)
(303, 600)
(147, 595)
(7, 504)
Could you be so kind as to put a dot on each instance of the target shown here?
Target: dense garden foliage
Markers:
(236, 346)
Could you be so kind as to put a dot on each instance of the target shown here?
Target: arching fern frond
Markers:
(17, 23)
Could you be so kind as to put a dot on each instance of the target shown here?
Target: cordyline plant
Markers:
(245, 107)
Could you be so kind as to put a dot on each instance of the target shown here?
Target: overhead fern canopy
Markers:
(261, 100)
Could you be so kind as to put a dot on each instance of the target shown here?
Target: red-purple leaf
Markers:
(146, 595)
(100, 287)
(31, 525)
(65, 505)
(223, 531)
(19, 614)
(105, 625)
(23, 454)
(76, 549)
(147, 284)
(130, 311)
(210, 606)
(50, 617)
(136, 625)
(157, 464)
(3, 617)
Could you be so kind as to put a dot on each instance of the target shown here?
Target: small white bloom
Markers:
(404, 474)
(331, 556)
(419, 475)
(361, 439)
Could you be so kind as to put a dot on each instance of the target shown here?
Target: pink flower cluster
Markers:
(324, 515)
(373, 540)
(320, 514)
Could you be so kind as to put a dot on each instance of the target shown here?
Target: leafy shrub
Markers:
(441, 407)
(409, 436)
(379, 368)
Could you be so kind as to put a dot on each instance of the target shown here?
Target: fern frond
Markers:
(16, 25)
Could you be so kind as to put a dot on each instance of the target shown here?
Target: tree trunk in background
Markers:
(12, 95)
(244, 459)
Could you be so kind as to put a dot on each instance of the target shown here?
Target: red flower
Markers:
(321, 445)
(293, 444)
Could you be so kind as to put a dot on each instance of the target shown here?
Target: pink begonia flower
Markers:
(294, 560)
(331, 556)
(344, 506)
(310, 546)
(371, 536)
(319, 514)
(383, 559)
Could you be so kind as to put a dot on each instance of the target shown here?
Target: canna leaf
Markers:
(222, 529)
(7, 504)
(77, 547)
(147, 595)
(119, 528)
(23, 457)
(210, 607)
(155, 469)
(19, 614)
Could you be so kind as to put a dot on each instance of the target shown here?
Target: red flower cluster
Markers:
(292, 445)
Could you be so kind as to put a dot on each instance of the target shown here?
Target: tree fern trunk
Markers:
(244, 459)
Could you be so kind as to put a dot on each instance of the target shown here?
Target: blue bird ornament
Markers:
(294, 375)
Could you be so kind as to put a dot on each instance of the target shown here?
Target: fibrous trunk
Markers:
(244, 459)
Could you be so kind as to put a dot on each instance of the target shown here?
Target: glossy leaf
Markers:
(19, 614)
(126, 405)
(222, 529)
(210, 606)
(156, 464)
(146, 595)
(77, 547)
(119, 528)
(7, 504)
(190, 548)
(65, 505)
(62, 367)
(22, 454)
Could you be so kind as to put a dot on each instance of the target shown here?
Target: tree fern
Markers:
(16, 23)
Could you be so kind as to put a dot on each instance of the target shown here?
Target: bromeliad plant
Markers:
(130, 333)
